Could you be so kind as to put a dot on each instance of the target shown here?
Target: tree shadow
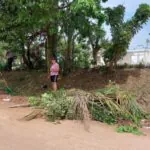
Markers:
(95, 79)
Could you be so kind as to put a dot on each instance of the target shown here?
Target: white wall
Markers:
(136, 57)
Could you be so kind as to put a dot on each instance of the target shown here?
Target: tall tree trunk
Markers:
(25, 61)
(24, 58)
(51, 49)
(95, 52)
(30, 65)
(115, 59)
(52, 37)
(68, 57)
(46, 57)
(96, 49)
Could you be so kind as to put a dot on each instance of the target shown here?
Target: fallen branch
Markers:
(38, 113)
(20, 105)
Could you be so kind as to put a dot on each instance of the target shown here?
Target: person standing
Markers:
(54, 72)
(10, 58)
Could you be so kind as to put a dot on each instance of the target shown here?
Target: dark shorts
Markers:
(54, 78)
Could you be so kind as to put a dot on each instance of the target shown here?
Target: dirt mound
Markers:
(141, 87)
(136, 80)
(95, 79)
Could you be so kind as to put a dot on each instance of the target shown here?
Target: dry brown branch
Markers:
(37, 113)
(20, 105)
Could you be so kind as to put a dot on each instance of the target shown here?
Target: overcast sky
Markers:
(131, 6)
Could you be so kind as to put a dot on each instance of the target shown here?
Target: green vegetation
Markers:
(123, 32)
(8, 90)
(2, 66)
(57, 105)
(4, 87)
(120, 104)
(73, 31)
(129, 129)
(109, 105)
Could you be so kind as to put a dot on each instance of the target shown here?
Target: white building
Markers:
(138, 56)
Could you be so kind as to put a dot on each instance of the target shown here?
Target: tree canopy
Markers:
(123, 31)
(67, 29)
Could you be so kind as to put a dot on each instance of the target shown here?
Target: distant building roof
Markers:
(139, 50)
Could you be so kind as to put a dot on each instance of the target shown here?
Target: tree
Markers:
(122, 32)
(23, 21)
(91, 27)
(96, 39)
(77, 20)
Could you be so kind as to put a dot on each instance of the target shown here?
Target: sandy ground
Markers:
(69, 135)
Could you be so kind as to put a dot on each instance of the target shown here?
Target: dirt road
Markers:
(69, 135)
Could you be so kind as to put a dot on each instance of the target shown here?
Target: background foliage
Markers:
(70, 30)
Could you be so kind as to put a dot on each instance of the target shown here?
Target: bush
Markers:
(102, 115)
(9, 90)
(2, 66)
(56, 104)
(118, 104)
(129, 129)
(108, 105)
(34, 101)
(4, 87)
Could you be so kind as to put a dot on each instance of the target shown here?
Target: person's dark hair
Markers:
(54, 58)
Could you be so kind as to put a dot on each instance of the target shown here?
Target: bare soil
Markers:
(69, 135)
(137, 81)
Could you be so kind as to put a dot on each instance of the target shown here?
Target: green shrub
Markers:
(56, 104)
(34, 101)
(102, 115)
(129, 129)
(4, 87)
(106, 105)
(118, 104)
(9, 90)
(2, 66)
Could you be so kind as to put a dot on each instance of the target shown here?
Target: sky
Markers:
(131, 5)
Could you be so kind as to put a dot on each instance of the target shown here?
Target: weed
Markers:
(34, 101)
(129, 129)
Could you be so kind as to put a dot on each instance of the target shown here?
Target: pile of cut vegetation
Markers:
(110, 105)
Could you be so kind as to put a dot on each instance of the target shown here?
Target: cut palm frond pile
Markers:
(106, 105)
(116, 104)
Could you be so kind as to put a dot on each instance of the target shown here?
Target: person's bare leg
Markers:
(54, 86)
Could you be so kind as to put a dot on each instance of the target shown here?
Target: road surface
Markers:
(69, 135)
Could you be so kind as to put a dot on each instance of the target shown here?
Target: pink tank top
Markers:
(54, 70)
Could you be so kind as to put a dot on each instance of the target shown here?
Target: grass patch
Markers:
(5, 88)
(9, 91)
(129, 129)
